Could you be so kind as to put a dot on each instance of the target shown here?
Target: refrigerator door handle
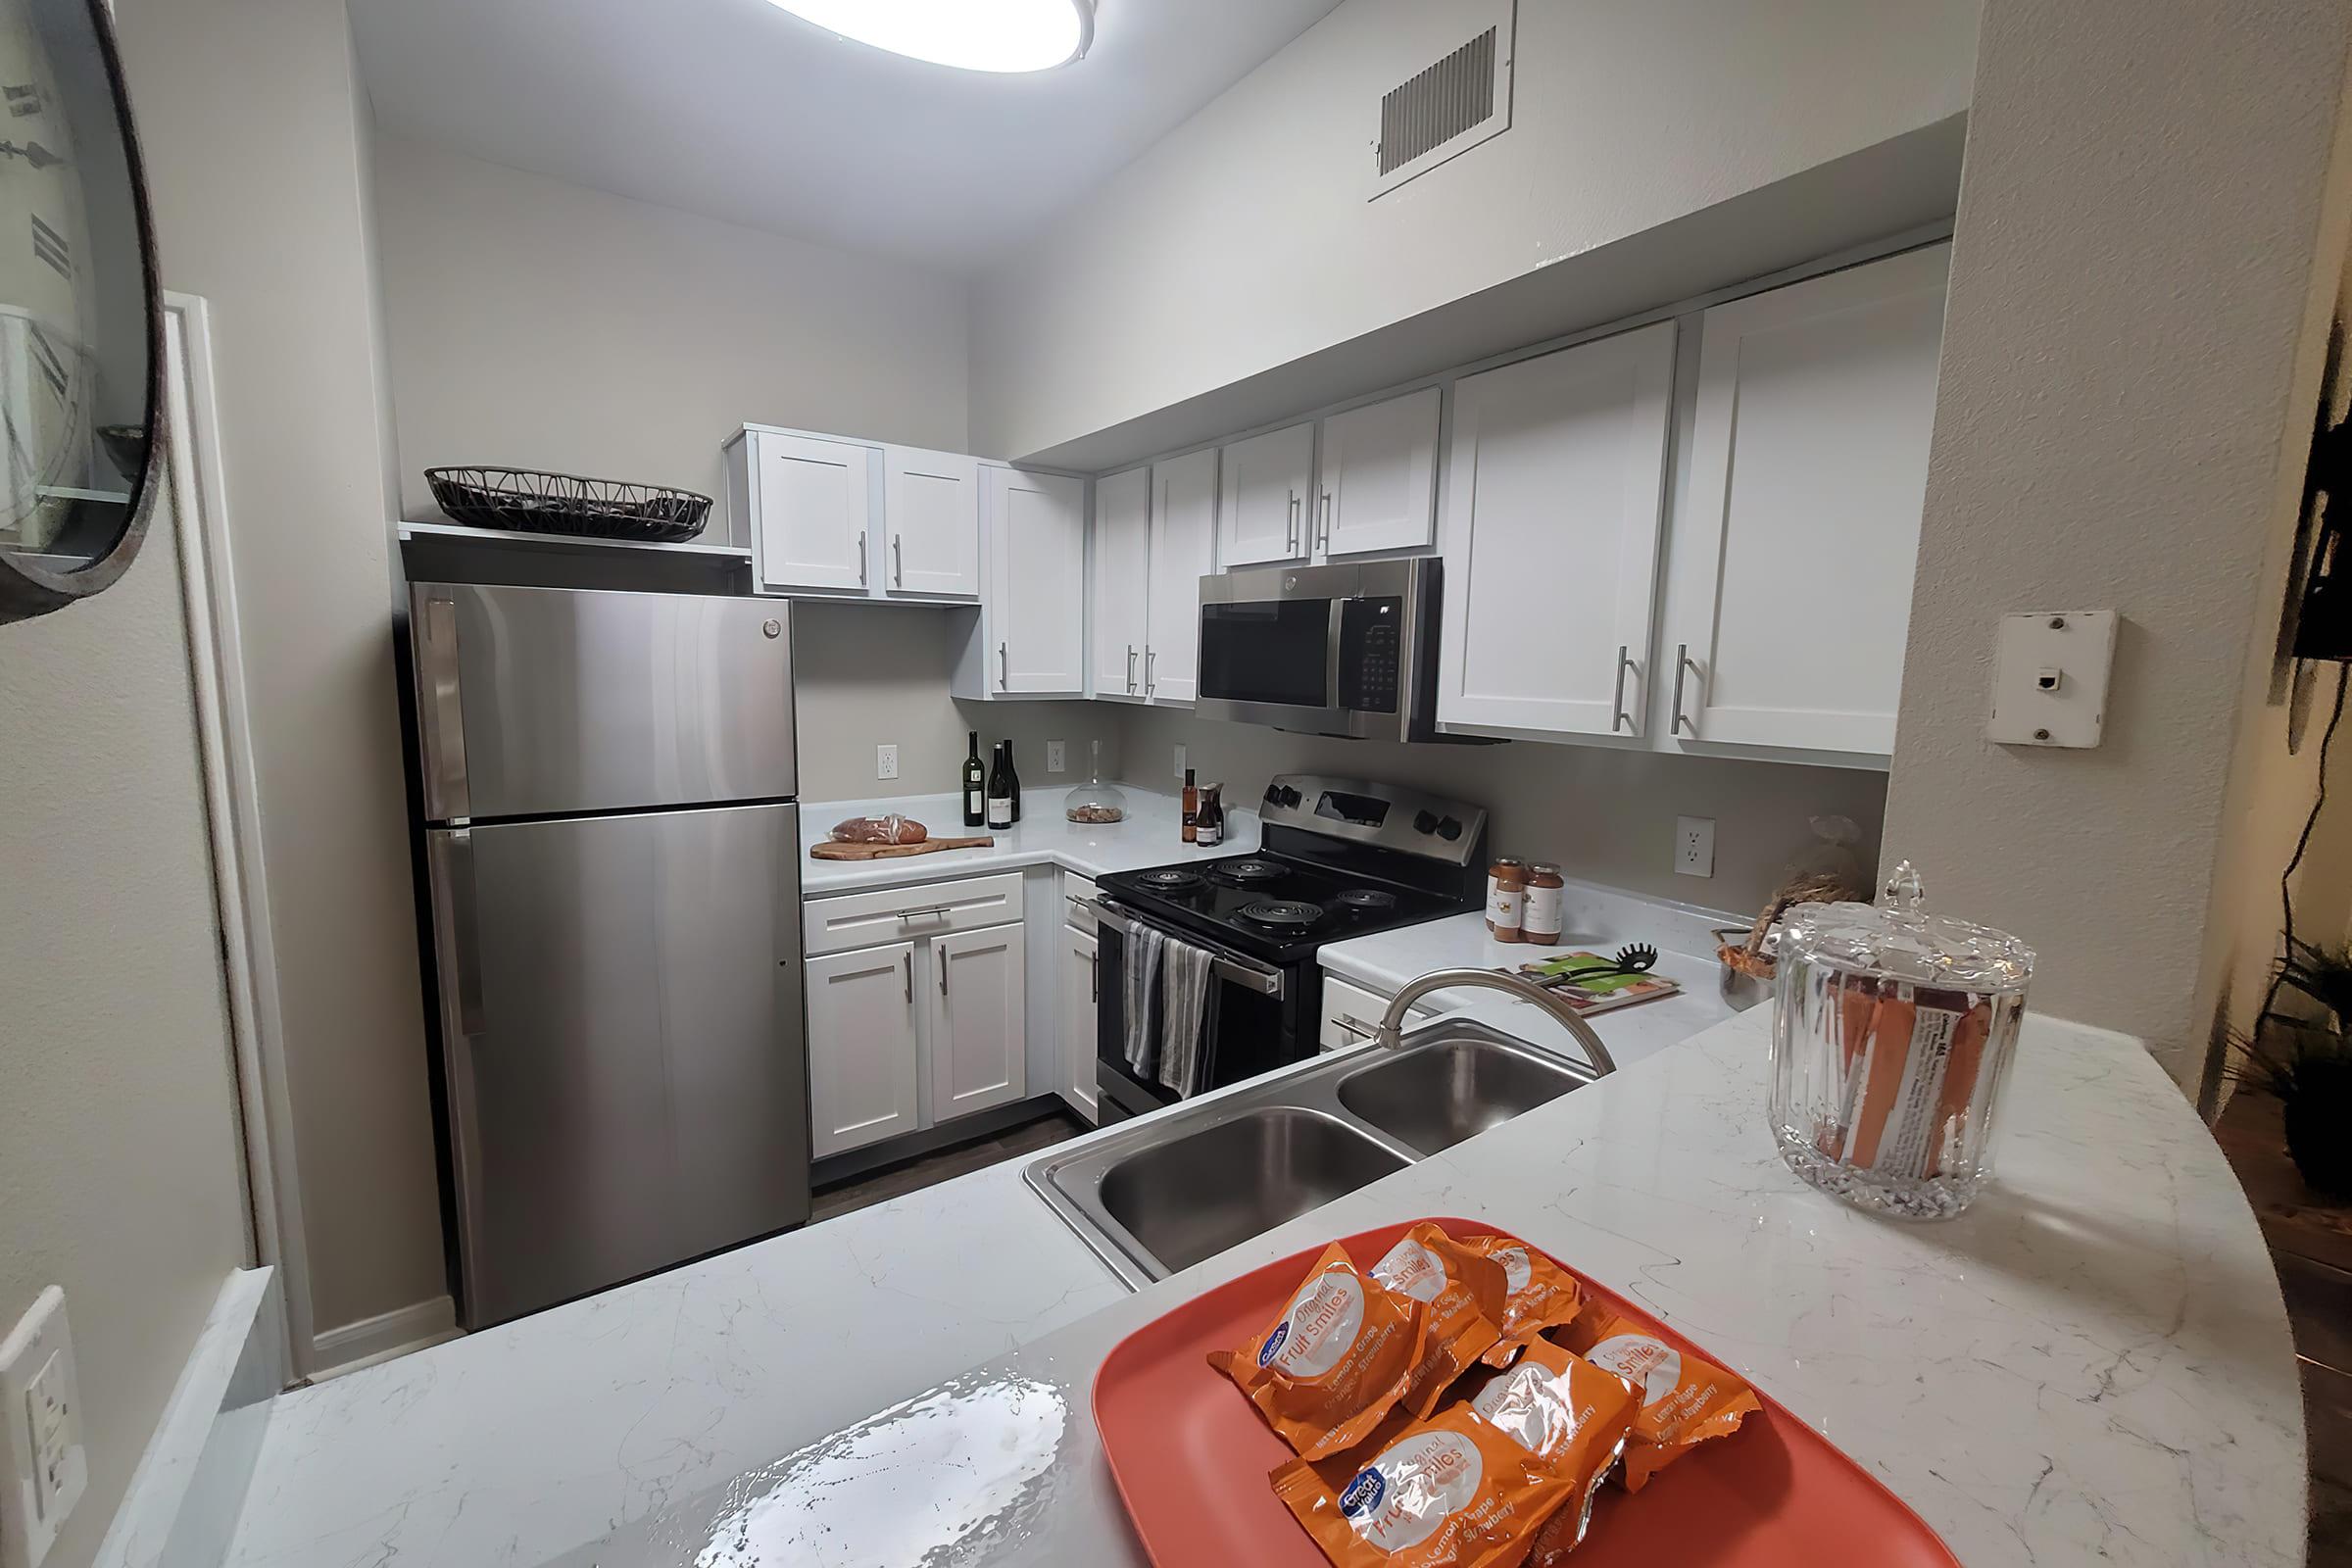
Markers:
(462, 948)
(457, 954)
(447, 796)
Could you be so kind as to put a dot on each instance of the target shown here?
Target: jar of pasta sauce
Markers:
(1506, 900)
(1545, 901)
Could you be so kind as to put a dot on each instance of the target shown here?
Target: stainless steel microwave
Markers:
(1349, 650)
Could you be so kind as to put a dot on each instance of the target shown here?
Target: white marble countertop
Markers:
(1152, 835)
(1599, 919)
(516, 1445)
(2092, 1365)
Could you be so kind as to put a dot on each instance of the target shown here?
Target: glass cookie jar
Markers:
(1891, 1035)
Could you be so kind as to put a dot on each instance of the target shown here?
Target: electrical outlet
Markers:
(886, 761)
(1179, 761)
(41, 1407)
(1694, 846)
(1057, 759)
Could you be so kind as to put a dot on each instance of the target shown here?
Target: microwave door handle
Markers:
(1331, 657)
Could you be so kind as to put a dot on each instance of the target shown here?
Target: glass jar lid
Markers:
(1898, 940)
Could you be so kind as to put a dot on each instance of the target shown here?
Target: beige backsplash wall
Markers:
(866, 675)
(1604, 815)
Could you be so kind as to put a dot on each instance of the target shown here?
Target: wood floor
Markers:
(931, 1169)
(2311, 1242)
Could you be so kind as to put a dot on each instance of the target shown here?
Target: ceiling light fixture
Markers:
(1002, 35)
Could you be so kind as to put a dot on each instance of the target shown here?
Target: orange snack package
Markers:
(1337, 1359)
(1685, 1400)
(1539, 1293)
(1464, 1293)
(1452, 1491)
(1561, 1407)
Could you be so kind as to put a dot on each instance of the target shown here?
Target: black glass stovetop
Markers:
(1271, 907)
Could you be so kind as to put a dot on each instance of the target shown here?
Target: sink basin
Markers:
(1194, 1181)
(1433, 1097)
(1193, 1197)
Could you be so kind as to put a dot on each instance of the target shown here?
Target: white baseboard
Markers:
(380, 1338)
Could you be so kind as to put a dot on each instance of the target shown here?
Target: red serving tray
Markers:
(1191, 1457)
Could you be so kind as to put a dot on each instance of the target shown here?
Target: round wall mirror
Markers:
(80, 312)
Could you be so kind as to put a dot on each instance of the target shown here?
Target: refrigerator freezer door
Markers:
(544, 702)
(622, 1043)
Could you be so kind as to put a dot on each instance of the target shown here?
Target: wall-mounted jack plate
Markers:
(2049, 677)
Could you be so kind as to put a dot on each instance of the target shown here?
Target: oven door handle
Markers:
(1247, 973)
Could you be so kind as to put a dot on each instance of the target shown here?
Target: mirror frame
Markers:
(25, 589)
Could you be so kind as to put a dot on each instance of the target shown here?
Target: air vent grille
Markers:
(1450, 97)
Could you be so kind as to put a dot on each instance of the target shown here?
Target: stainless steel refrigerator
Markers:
(613, 851)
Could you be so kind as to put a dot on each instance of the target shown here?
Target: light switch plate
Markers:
(886, 761)
(1179, 761)
(2050, 670)
(41, 1404)
(1058, 758)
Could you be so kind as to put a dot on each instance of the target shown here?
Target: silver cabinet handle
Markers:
(1150, 660)
(1289, 534)
(1682, 666)
(909, 914)
(1326, 544)
(939, 955)
(1093, 976)
(861, 558)
(908, 956)
(1131, 669)
(1352, 1027)
(898, 563)
(1617, 714)
(1003, 666)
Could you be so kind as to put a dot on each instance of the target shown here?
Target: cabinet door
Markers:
(1184, 546)
(810, 509)
(979, 1028)
(1555, 488)
(1081, 988)
(1379, 487)
(1262, 516)
(862, 1055)
(931, 503)
(1795, 541)
(1123, 576)
(1037, 589)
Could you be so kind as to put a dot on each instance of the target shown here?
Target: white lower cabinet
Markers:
(1351, 1013)
(979, 1034)
(1081, 987)
(864, 1051)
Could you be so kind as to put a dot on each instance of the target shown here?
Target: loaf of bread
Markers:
(891, 829)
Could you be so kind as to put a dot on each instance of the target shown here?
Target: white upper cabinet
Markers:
(1379, 486)
(1121, 582)
(1263, 513)
(1036, 612)
(1795, 541)
(809, 505)
(931, 502)
(1555, 486)
(1184, 546)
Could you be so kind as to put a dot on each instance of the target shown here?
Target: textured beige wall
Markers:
(1243, 240)
(2140, 233)
(1604, 815)
(253, 124)
(118, 1152)
(865, 675)
(540, 324)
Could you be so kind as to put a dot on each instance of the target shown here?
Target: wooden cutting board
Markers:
(830, 851)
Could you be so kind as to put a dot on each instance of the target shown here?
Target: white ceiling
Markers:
(739, 111)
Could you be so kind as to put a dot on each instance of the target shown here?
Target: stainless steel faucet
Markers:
(1386, 1034)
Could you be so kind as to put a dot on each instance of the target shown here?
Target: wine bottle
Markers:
(975, 786)
(1013, 773)
(999, 789)
(1192, 808)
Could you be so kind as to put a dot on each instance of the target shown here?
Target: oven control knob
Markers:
(1426, 822)
(1449, 830)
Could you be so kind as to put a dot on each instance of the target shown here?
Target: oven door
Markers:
(1256, 1008)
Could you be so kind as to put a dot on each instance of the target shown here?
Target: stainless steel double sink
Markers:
(1191, 1182)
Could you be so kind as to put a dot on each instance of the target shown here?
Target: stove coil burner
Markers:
(1174, 879)
(1369, 900)
(1247, 871)
(1281, 916)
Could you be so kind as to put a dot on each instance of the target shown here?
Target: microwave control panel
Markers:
(1371, 644)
